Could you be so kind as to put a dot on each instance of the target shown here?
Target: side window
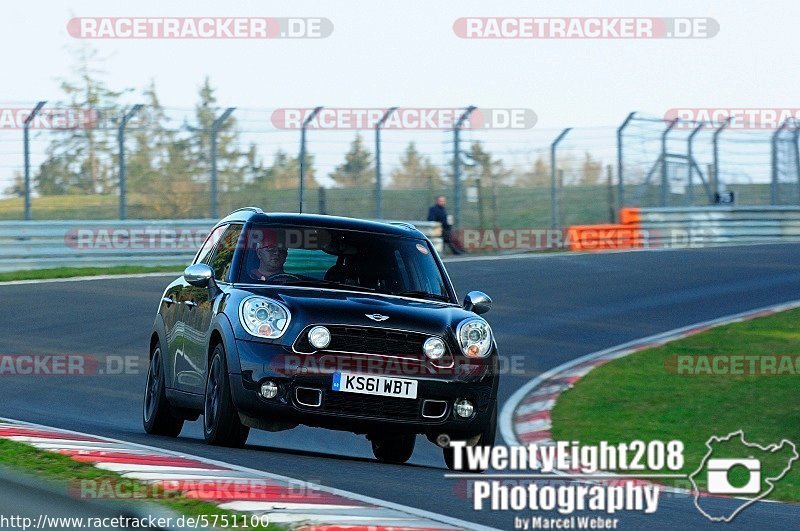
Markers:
(222, 257)
(209, 244)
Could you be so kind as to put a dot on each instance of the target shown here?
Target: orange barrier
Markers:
(630, 215)
(605, 237)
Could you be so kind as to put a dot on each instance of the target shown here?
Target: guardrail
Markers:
(49, 244)
(719, 225)
(672, 227)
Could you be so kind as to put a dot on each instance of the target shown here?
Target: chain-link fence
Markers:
(208, 160)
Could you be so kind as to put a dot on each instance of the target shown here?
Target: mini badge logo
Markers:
(377, 317)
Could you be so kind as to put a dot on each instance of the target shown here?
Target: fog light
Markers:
(464, 408)
(269, 389)
(319, 337)
(433, 348)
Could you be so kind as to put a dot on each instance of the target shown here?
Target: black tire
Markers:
(487, 439)
(396, 449)
(157, 415)
(221, 424)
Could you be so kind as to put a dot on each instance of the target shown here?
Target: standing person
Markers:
(438, 212)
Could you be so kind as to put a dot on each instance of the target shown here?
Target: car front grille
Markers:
(380, 407)
(366, 340)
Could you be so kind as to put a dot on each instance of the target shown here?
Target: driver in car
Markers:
(271, 258)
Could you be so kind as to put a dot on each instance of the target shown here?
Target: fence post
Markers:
(554, 214)
(715, 143)
(796, 146)
(123, 184)
(378, 177)
(27, 155)
(773, 188)
(610, 186)
(322, 200)
(620, 161)
(303, 154)
(457, 165)
(664, 163)
(692, 163)
(214, 130)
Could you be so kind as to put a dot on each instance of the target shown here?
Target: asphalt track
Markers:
(547, 310)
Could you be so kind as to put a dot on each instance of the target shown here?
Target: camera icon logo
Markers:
(719, 471)
(746, 479)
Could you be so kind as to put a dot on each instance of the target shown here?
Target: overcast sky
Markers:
(407, 54)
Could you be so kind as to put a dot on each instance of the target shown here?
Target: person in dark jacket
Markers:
(438, 212)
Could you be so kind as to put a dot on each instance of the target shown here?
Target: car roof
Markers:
(256, 215)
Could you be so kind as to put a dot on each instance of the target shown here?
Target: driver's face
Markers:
(272, 256)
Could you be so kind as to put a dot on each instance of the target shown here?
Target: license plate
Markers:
(374, 385)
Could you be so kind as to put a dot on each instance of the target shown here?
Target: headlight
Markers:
(474, 338)
(433, 348)
(263, 317)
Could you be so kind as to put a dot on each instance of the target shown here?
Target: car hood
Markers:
(315, 306)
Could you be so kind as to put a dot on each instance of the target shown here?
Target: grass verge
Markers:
(68, 272)
(643, 396)
(66, 472)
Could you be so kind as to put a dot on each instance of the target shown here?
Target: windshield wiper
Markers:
(323, 283)
(423, 294)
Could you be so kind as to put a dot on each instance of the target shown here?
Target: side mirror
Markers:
(199, 275)
(478, 302)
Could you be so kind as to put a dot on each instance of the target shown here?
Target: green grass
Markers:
(61, 470)
(68, 272)
(638, 397)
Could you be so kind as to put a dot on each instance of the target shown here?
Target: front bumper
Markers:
(301, 379)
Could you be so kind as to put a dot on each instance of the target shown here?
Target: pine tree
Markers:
(416, 171)
(357, 169)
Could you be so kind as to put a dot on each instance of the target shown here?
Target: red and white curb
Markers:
(525, 418)
(288, 502)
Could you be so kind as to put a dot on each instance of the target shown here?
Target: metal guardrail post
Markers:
(214, 130)
(378, 177)
(457, 165)
(27, 155)
(303, 154)
(715, 143)
(664, 163)
(123, 185)
(554, 207)
(620, 161)
(773, 187)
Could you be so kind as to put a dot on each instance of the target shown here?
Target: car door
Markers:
(184, 375)
(199, 311)
(170, 311)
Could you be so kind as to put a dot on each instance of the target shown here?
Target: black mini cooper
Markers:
(288, 319)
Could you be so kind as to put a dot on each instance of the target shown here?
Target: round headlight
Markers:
(474, 338)
(433, 348)
(264, 317)
(319, 337)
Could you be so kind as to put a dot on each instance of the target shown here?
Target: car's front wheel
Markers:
(395, 449)
(221, 424)
(486, 439)
(156, 412)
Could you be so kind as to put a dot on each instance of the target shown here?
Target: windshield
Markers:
(341, 259)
